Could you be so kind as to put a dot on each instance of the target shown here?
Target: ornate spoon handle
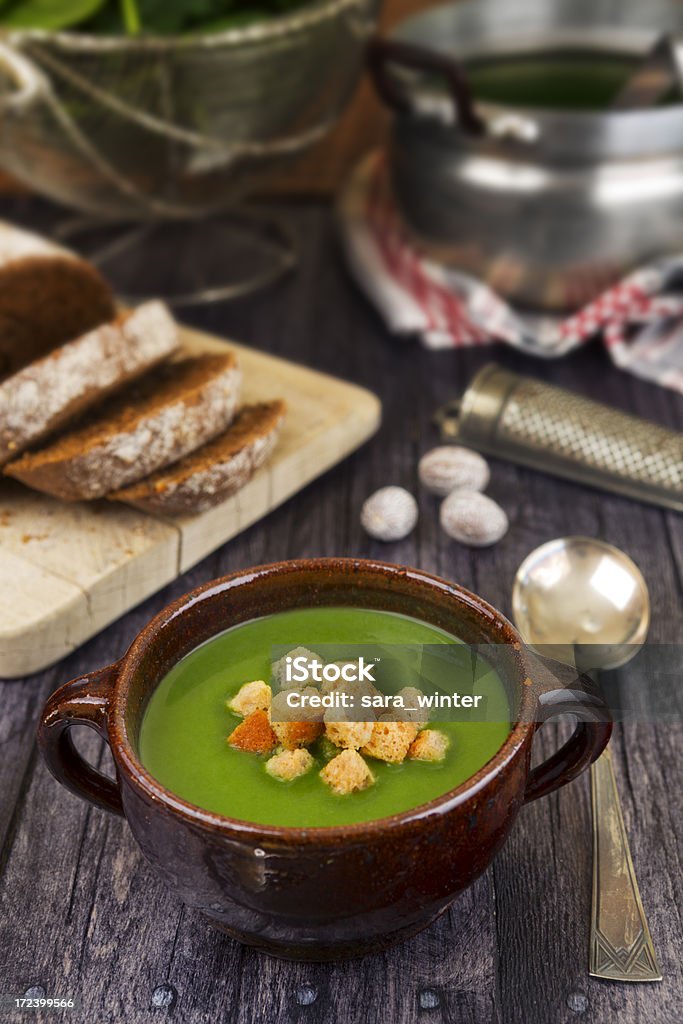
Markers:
(620, 945)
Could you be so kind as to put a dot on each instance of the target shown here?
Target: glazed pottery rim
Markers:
(140, 778)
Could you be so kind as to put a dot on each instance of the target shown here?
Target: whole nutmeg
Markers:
(389, 514)
(472, 518)
(450, 467)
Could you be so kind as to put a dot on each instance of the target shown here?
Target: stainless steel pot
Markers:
(549, 206)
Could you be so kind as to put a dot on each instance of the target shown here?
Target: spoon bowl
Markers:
(581, 601)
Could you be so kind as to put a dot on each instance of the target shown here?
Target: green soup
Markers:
(565, 81)
(184, 729)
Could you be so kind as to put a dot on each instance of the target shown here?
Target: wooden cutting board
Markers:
(68, 570)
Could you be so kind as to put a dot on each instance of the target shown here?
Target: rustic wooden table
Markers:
(81, 913)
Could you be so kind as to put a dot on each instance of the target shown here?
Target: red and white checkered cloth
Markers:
(640, 320)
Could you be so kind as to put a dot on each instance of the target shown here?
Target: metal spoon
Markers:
(585, 603)
(654, 78)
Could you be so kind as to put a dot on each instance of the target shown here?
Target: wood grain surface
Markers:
(81, 913)
(76, 567)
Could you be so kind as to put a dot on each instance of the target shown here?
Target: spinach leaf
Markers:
(240, 19)
(48, 14)
(131, 17)
(177, 15)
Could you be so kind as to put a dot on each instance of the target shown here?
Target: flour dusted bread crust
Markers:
(171, 412)
(46, 394)
(214, 472)
(47, 297)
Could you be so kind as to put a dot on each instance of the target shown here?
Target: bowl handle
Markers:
(83, 701)
(586, 743)
(382, 51)
(29, 83)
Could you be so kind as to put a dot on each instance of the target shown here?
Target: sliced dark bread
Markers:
(170, 412)
(211, 474)
(47, 297)
(46, 394)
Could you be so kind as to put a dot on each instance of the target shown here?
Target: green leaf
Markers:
(178, 15)
(240, 19)
(113, 17)
(131, 17)
(48, 14)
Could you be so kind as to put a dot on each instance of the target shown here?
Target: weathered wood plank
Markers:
(546, 867)
(78, 904)
(77, 567)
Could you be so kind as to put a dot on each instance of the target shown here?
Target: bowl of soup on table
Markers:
(311, 800)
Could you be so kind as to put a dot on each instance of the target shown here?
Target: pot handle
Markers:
(586, 743)
(382, 51)
(83, 701)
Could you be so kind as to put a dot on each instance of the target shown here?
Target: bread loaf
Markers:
(47, 297)
(211, 474)
(47, 393)
(172, 411)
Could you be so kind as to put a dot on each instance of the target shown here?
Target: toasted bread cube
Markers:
(348, 734)
(297, 734)
(429, 745)
(254, 734)
(357, 688)
(330, 685)
(279, 670)
(390, 740)
(295, 727)
(254, 696)
(281, 709)
(347, 773)
(289, 764)
(411, 710)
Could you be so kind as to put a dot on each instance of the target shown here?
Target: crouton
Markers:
(429, 745)
(279, 670)
(289, 764)
(356, 689)
(254, 734)
(347, 733)
(253, 696)
(291, 706)
(330, 685)
(390, 740)
(411, 710)
(297, 734)
(295, 727)
(347, 773)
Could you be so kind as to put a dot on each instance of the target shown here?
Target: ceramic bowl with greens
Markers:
(169, 108)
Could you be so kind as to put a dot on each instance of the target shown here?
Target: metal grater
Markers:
(548, 428)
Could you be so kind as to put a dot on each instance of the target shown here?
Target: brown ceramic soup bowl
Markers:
(319, 893)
